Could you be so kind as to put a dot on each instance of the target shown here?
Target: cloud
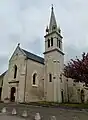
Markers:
(36, 46)
(24, 21)
(3, 63)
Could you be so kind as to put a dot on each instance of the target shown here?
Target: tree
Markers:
(77, 69)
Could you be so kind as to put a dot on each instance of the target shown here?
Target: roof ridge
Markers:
(3, 73)
(32, 53)
(33, 56)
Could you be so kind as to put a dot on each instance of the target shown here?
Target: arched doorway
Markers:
(82, 96)
(62, 95)
(12, 96)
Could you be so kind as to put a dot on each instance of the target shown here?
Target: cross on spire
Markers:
(52, 20)
(52, 7)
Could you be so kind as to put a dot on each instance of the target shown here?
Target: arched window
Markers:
(59, 44)
(48, 43)
(51, 41)
(34, 78)
(15, 71)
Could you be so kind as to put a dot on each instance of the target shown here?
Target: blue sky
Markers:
(24, 21)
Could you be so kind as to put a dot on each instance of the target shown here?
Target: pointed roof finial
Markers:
(52, 20)
(18, 44)
(52, 7)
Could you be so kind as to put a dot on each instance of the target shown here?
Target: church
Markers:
(31, 78)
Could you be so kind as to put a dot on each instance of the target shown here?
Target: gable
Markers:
(17, 52)
(21, 52)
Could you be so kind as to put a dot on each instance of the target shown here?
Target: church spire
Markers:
(53, 24)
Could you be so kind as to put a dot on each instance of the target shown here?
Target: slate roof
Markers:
(34, 57)
(3, 74)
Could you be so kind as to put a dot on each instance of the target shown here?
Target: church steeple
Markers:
(54, 60)
(53, 38)
(53, 23)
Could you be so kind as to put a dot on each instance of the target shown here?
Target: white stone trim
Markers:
(34, 85)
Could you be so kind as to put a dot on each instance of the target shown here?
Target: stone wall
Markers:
(34, 92)
(5, 87)
(73, 91)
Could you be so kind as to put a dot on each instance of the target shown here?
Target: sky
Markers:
(24, 22)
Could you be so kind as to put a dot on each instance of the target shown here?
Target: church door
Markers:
(12, 96)
(62, 96)
(82, 96)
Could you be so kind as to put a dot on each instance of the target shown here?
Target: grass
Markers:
(75, 105)
(63, 105)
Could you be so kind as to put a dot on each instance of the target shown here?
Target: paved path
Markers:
(6, 117)
(61, 114)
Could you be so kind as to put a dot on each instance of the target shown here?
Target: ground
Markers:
(45, 112)
(6, 117)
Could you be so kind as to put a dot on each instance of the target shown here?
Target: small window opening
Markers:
(59, 44)
(50, 77)
(48, 43)
(51, 41)
(61, 78)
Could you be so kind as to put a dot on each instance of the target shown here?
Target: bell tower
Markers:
(54, 60)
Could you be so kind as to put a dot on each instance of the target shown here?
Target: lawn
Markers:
(62, 105)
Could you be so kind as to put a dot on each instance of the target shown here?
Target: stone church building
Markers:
(31, 78)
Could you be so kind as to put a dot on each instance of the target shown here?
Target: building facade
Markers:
(31, 78)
